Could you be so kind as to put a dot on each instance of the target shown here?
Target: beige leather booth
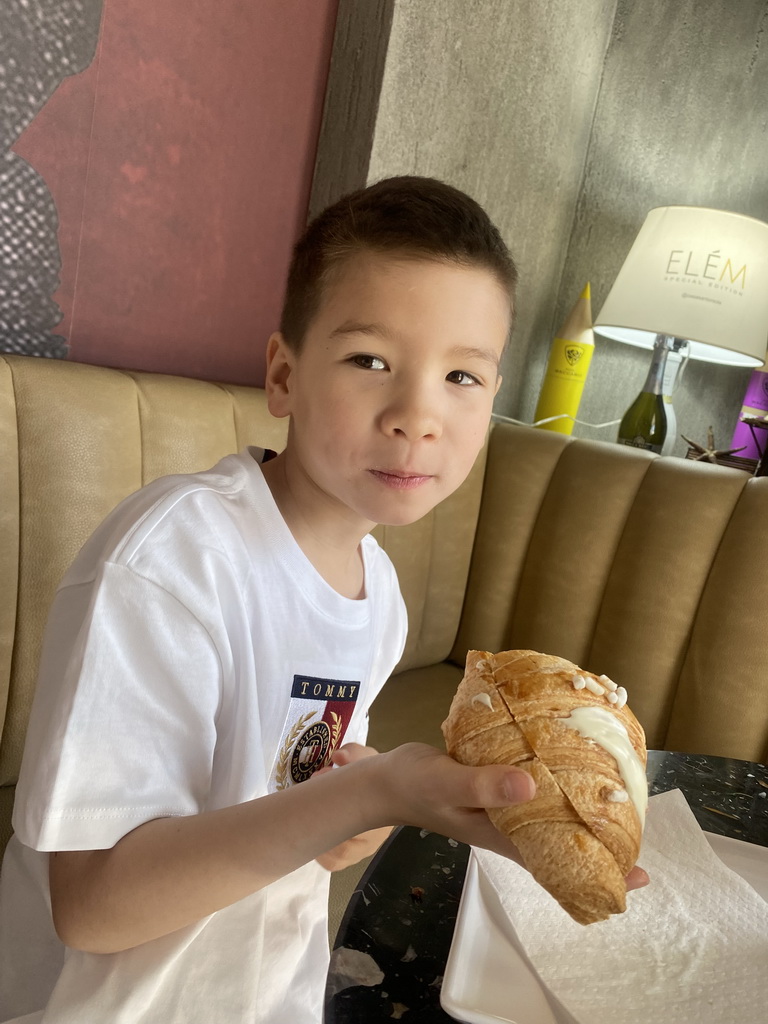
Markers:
(652, 570)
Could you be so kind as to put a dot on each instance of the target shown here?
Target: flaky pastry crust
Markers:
(580, 836)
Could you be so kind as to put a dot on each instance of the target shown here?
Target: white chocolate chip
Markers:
(595, 687)
(621, 697)
(607, 683)
(618, 796)
(482, 698)
(482, 665)
(579, 682)
(612, 698)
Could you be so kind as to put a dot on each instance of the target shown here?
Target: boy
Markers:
(166, 806)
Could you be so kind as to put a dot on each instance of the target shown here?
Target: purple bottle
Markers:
(755, 404)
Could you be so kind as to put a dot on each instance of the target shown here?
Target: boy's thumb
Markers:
(500, 786)
(492, 785)
(518, 786)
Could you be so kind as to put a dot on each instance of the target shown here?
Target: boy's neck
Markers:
(328, 539)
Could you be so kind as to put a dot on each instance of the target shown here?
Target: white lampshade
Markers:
(697, 274)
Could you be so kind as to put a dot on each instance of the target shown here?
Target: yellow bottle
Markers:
(567, 369)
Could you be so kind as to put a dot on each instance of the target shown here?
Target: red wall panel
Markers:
(180, 162)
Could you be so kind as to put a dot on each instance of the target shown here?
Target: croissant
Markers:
(573, 732)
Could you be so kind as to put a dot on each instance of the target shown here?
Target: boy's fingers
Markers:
(347, 754)
(637, 878)
(351, 752)
(497, 786)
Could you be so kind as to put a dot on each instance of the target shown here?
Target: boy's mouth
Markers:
(398, 480)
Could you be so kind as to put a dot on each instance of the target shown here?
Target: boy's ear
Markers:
(499, 379)
(277, 383)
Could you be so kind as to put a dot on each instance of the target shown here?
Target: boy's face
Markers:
(391, 394)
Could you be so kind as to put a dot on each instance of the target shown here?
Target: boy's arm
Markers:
(353, 850)
(172, 872)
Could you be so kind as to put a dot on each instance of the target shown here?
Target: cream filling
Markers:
(605, 728)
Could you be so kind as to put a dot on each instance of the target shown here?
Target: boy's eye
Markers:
(461, 377)
(369, 362)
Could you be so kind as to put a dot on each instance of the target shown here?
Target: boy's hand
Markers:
(431, 790)
(359, 847)
(438, 793)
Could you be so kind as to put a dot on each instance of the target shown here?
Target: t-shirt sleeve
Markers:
(123, 722)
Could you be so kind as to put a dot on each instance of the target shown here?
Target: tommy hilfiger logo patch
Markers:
(317, 719)
(311, 688)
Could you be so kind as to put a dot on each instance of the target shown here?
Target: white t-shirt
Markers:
(194, 659)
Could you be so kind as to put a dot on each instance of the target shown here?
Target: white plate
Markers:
(488, 976)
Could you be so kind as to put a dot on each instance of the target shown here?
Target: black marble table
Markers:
(399, 924)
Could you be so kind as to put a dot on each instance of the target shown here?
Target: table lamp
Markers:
(694, 282)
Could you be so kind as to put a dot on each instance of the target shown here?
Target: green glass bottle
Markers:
(644, 424)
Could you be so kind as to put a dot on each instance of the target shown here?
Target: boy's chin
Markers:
(404, 517)
(401, 520)
(405, 509)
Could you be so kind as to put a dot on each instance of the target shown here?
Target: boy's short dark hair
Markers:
(408, 216)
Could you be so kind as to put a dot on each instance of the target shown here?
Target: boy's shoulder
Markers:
(171, 507)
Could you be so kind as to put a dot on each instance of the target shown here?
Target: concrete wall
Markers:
(498, 100)
(681, 117)
(568, 120)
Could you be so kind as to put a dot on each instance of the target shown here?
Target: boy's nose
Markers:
(416, 415)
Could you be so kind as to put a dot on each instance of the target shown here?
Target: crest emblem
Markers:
(573, 353)
(310, 752)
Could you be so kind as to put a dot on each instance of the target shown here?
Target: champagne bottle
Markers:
(673, 373)
(644, 424)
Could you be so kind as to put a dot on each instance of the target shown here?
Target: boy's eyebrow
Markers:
(470, 352)
(380, 330)
(356, 327)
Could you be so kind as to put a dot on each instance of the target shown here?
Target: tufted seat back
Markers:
(652, 570)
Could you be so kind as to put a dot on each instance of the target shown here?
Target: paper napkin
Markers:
(692, 947)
